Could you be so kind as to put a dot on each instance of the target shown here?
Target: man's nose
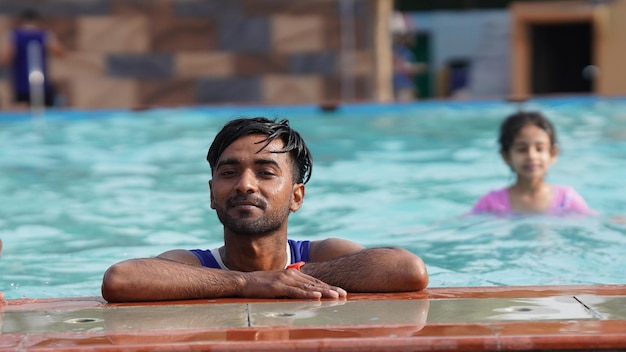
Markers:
(247, 182)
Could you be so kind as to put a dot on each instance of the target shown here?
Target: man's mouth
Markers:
(245, 203)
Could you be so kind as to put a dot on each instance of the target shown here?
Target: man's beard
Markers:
(253, 227)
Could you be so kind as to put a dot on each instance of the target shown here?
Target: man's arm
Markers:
(357, 269)
(177, 275)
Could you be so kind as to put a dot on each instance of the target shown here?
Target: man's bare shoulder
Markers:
(181, 256)
(332, 248)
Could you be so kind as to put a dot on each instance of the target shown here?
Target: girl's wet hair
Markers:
(514, 123)
(302, 161)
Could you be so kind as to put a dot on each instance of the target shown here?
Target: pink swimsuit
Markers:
(565, 200)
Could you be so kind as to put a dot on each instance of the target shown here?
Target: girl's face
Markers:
(531, 153)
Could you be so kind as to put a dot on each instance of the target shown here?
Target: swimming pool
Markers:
(83, 190)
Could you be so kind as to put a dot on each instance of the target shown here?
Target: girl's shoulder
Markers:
(562, 188)
(564, 191)
(494, 201)
(498, 194)
(567, 199)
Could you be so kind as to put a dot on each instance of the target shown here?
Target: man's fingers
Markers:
(289, 283)
(326, 290)
(311, 287)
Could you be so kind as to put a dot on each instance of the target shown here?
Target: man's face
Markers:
(252, 192)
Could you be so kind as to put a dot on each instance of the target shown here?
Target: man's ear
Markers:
(297, 197)
(211, 195)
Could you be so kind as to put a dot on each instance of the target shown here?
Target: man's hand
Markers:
(287, 283)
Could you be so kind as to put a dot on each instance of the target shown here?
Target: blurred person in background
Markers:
(405, 68)
(405, 65)
(26, 50)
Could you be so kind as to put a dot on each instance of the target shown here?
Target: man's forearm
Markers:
(155, 279)
(373, 270)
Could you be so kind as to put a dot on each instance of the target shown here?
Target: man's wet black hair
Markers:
(293, 143)
(514, 123)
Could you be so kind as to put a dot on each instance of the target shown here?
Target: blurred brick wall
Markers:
(139, 53)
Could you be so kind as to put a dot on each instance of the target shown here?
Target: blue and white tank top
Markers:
(297, 251)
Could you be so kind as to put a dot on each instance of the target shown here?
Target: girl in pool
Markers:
(528, 145)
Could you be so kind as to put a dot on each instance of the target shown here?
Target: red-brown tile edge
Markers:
(589, 328)
(52, 303)
(348, 344)
(384, 339)
(567, 343)
(430, 293)
(372, 344)
(267, 333)
(495, 292)
(9, 342)
(524, 291)
(451, 337)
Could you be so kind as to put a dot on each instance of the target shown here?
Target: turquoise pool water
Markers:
(80, 191)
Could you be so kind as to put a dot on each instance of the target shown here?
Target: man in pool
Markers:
(259, 169)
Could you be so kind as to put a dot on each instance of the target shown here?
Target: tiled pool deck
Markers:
(554, 318)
